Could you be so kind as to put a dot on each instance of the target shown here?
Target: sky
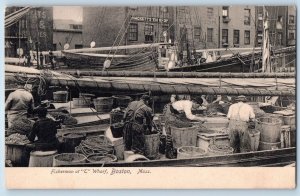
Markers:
(68, 12)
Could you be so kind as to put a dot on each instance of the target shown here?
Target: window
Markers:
(210, 34)
(225, 12)
(279, 38)
(78, 46)
(164, 28)
(183, 34)
(210, 12)
(247, 38)
(197, 33)
(74, 26)
(291, 19)
(225, 36)
(247, 13)
(291, 36)
(54, 47)
(279, 22)
(236, 37)
(149, 33)
(133, 32)
(164, 9)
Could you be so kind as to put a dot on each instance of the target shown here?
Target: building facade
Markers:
(282, 25)
(201, 26)
(33, 31)
(67, 34)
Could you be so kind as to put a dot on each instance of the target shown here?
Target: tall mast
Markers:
(266, 64)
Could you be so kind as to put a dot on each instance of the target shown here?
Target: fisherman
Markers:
(41, 59)
(179, 113)
(138, 122)
(51, 58)
(18, 103)
(240, 116)
(45, 129)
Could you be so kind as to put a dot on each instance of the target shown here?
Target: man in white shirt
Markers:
(179, 113)
(239, 115)
(18, 103)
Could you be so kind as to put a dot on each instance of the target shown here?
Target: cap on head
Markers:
(145, 98)
(241, 98)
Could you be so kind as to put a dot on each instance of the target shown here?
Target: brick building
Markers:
(202, 26)
(282, 25)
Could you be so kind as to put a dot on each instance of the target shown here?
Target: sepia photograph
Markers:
(107, 89)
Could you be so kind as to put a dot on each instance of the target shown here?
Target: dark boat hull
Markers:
(269, 158)
(241, 64)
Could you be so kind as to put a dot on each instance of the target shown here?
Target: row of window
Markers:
(236, 37)
(225, 14)
(148, 32)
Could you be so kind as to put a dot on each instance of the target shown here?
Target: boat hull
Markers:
(271, 158)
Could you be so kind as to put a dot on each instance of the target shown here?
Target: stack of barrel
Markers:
(185, 141)
(270, 133)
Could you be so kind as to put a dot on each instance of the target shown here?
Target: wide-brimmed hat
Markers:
(241, 98)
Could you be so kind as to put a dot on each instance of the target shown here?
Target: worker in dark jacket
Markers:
(138, 122)
(45, 130)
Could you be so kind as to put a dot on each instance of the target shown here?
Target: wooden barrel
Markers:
(269, 145)
(81, 102)
(289, 120)
(121, 101)
(186, 136)
(41, 158)
(186, 152)
(18, 154)
(270, 129)
(214, 149)
(71, 140)
(68, 158)
(60, 96)
(103, 104)
(152, 145)
(277, 116)
(100, 158)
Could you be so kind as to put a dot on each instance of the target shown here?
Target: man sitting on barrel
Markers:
(138, 122)
(241, 116)
(45, 130)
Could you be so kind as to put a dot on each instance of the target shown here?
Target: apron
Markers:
(12, 115)
(134, 134)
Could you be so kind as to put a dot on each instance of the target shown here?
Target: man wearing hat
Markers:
(179, 113)
(239, 115)
(138, 122)
(19, 102)
(45, 130)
